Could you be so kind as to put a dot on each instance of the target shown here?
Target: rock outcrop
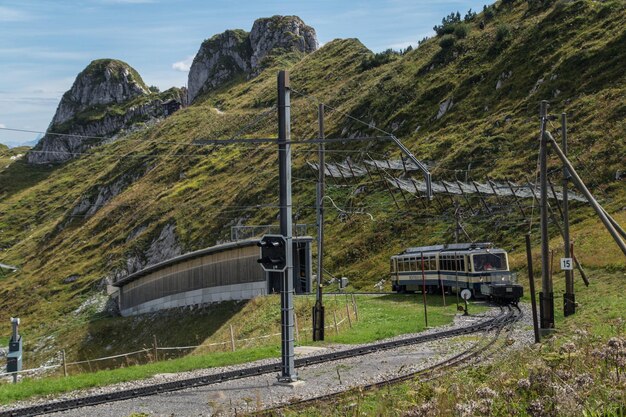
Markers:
(284, 33)
(237, 52)
(162, 247)
(107, 98)
(219, 59)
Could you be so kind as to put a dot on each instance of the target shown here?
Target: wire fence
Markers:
(340, 317)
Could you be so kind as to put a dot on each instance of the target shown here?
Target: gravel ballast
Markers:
(260, 392)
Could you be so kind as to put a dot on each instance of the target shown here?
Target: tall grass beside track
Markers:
(580, 370)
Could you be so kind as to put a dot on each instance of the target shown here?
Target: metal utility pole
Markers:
(318, 309)
(288, 371)
(457, 227)
(546, 296)
(424, 292)
(569, 305)
(615, 233)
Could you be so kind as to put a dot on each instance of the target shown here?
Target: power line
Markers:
(317, 100)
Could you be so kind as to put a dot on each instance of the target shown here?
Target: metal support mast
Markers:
(546, 296)
(288, 372)
(614, 229)
(318, 309)
(569, 305)
(419, 164)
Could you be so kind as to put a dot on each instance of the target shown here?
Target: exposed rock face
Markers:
(219, 59)
(163, 247)
(237, 52)
(288, 33)
(444, 107)
(104, 81)
(100, 195)
(107, 97)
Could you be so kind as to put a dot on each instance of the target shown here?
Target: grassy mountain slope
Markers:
(7, 153)
(569, 52)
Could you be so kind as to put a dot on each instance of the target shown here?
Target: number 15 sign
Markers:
(567, 264)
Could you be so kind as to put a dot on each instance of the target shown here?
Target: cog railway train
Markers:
(479, 267)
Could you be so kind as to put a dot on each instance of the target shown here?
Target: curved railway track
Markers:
(431, 372)
(497, 323)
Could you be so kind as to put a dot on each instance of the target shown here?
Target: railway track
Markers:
(475, 351)
(498, 322)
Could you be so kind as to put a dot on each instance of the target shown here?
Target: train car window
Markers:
(392, 266)
(460, 263)
(414, 266)
(445, 263)
(423, 264)
(490, 262)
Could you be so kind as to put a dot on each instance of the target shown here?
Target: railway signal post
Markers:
(318, 309)
(288, 370)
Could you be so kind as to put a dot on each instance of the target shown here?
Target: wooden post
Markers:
(155, 347)
(64, 363)
(356, 308)
(531, 281)
(424, 292)
(348, 313)
(335, 318)
(580, 268)
(232, 338)
(295, 322)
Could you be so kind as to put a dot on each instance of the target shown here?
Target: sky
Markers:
(44, 44)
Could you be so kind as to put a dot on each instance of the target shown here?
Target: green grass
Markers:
(575, 47)
(379, 317)
(493, 388)
(391, 315)
(49, 386)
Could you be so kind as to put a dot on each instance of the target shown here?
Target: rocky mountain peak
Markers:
(103, 82)
(237, 52)
(107, 97)
(288, 33)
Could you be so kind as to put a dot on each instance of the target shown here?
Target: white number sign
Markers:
(567, 264)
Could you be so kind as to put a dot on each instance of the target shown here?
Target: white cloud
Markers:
(2, 126)
(184, 65)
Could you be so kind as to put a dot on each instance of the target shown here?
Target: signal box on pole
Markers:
(273, 253)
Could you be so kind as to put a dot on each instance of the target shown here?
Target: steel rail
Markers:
(470, 353)
(195, 382)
